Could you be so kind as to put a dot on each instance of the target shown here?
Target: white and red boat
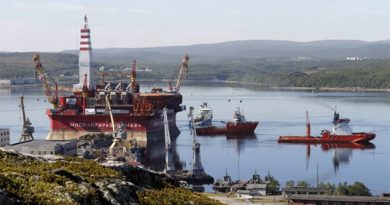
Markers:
(341, 133)
(237, 126)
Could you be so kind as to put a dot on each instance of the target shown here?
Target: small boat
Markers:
(223, 185)
(204, 115)
(341, 133)
(238, 126)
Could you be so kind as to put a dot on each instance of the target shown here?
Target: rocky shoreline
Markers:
(47, 179)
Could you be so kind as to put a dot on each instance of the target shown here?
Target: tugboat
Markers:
(341, 133)
(237, 126)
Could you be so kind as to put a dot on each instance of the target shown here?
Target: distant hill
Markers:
(265, 62)
(246, 49)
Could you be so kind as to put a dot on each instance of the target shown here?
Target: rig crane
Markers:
(28, 130)
(45, 78)
(183, 72)
(308, 129)
(118, 146)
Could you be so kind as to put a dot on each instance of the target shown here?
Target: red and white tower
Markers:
(85, 57)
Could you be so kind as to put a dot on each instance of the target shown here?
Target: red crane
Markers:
(308, 129)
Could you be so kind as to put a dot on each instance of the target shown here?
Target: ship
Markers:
(238, 125)
(204, 116)
(84, 111)
(341, 133)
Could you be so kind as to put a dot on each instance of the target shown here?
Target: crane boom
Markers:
(40, 72)
(183, 72)
(108, 105)
(28, 130)
(308, 128)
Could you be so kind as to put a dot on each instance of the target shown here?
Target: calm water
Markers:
(279, 113)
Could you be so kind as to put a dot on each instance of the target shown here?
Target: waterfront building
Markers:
(47, 147)
(4, 137)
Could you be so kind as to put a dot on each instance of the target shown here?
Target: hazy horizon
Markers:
(55, 25)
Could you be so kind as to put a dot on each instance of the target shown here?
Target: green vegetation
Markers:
(74, 181)
(342, 189)
(273, 186)
(174, 196)
(356, 189)
(39, 182)
(290, 183)
(280, 72)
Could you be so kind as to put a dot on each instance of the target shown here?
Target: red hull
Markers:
(73, 126)
(354, 138)
(230, 128)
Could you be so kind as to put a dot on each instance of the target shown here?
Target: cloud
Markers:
(140, 11)
(63, 7)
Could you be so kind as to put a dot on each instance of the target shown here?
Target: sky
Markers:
(54, 25)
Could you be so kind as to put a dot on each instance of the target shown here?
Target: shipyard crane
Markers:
(45, 78)
(197, 168)
(308, 129)
(118, 146)
(28, 130)
(183, 72)
(169, 164)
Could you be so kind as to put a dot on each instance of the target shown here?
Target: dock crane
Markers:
(182, 73)
(197, 168)
(169, 164)
(45, 78)
(118, 146)
(28, 130)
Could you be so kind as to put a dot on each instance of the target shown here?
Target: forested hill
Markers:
(269, 63)
(326, 49)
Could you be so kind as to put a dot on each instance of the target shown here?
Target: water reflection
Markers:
(155, 156)
(342, 152)
(241, 141)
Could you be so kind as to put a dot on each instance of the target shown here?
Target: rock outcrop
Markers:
(30, 179)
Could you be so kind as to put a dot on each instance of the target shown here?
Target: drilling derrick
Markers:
(134, 85)
(28, 130)
(169, 164)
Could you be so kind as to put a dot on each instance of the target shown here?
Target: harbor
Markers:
(153, 104)
(240, 156)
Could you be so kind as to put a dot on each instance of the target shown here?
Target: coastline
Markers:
(230, 83)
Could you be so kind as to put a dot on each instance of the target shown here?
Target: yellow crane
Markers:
(118, 146)
(183, 72)
(45, 78)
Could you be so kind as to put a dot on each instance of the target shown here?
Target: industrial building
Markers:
(4, 137)
(303, 199)
(47, 147)
(4, 83)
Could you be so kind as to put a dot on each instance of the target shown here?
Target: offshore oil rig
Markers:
(83, 110)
